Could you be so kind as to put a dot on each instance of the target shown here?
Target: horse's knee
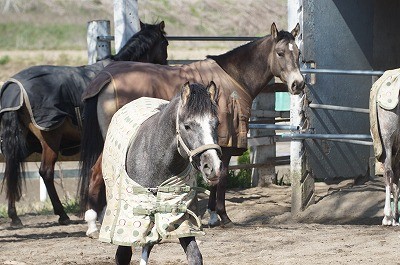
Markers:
(47, 174)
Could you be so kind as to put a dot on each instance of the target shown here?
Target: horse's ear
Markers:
(162, 25)
(274, 31)
(212, 89)
(185, 93)
(296, 30)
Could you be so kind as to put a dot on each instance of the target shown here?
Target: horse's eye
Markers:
(281, 54)
(187, 127)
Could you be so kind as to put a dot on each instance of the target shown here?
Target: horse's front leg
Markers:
(123, 255)
(192, 250)
(221, 190)
(46, 171)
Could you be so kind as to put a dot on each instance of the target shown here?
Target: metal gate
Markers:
(353, 34)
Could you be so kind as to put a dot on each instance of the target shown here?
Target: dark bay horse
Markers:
(149, 197)
(40, 112)
(385, 130)
(240, 75)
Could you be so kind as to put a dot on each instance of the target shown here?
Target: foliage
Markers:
(37, 37)
(236, 178)
(240, 178)
(4, 59)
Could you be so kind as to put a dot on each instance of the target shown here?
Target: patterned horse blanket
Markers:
(134, 214)
(51, 93)
(132, 80)
(385, 93)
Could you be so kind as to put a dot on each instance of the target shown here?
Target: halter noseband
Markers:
(192, 153)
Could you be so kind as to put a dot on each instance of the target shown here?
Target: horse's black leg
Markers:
(123, 255)
(46, 171)
(192, 250)
(212, 200)
(221, 189)
(12, 213)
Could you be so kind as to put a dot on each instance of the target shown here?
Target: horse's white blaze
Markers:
(205, 124)
(290, 47)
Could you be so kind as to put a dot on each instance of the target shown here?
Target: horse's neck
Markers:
(153, 156)
(248, 65)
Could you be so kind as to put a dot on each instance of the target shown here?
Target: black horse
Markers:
(149, 184)
(40, 112)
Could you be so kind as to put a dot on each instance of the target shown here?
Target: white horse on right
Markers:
(385, 131)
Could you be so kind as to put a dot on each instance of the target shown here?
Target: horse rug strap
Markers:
(385, 93)
(136, 215)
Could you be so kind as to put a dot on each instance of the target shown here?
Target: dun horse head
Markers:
(197, 124)
(284, 58)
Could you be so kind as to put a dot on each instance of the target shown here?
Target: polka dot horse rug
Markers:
(135, 215)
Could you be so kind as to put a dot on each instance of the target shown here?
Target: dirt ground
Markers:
(343, 227)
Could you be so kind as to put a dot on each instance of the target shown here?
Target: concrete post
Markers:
(126, 21)
(98, 49)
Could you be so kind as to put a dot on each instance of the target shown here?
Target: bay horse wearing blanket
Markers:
(240, 75)
(147, 172)
(40, 112)
(385, 131)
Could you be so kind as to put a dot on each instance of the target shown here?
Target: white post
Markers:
(302, 183)
(126, 21)
(98, 48)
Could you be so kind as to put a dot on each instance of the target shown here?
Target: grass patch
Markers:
(236, 178)
(25, 36)
(71, 206)
(4, 59)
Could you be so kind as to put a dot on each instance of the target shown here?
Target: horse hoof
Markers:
(228, 224)
(214, 224)
(16, 224)
(64, 221)
(94, 235)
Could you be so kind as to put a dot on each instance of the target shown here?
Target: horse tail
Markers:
(14, 149)
(91, 147)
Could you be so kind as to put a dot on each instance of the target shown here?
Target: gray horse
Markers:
(148, 156)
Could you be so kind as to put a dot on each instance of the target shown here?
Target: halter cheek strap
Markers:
(192, 153)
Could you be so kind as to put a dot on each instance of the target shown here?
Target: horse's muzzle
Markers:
(210, 166)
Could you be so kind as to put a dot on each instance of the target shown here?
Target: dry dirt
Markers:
(343, 227)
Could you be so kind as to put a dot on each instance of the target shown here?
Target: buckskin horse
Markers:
(384, 112)
(150, 197)
(240, 75)
(40, 112)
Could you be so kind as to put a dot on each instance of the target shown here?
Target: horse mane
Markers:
(199, 102)
(139, 43)
(282, 35)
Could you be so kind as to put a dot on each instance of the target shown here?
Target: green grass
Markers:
(4, 59)
(236, 178)
(25, 36)
(43, 208)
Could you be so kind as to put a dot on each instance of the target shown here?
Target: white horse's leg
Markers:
(106, 108)
(145, 254)
(387, 210)
(90, 218)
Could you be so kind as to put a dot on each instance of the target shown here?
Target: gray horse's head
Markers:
(197, 124)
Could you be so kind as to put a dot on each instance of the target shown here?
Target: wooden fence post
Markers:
(262, 153)
(98, 48)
